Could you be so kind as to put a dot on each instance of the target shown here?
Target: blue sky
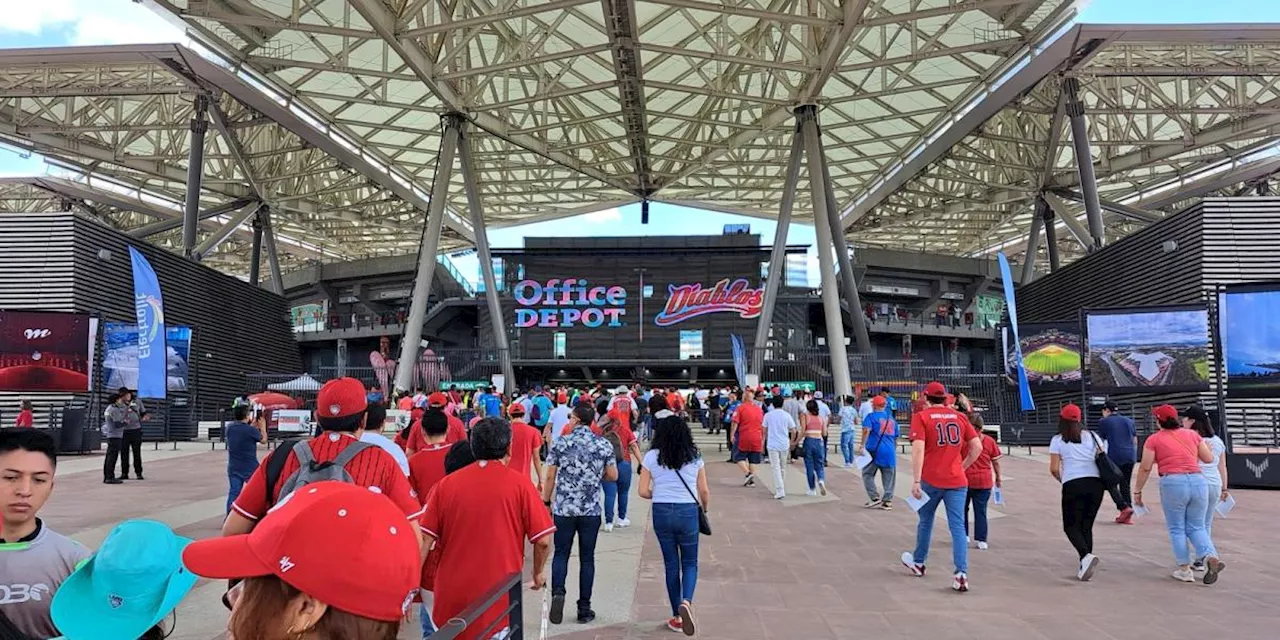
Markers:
(1245, 344)
(70, 22)
(1159, 328)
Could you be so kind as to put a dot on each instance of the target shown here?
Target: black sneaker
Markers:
(140, 477)
(586, 616)
(112, 481)
(557, 610)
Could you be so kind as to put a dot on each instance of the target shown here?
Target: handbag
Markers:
(704, 523)
(1107, 470)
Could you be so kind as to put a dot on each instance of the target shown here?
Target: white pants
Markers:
(778, 460)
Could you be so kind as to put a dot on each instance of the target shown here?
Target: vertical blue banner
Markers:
(1024, 389)
(739, 359)
(153, 363)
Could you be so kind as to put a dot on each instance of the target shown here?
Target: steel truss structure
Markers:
(1168, 114)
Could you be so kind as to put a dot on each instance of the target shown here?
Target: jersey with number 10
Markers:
(946, 434)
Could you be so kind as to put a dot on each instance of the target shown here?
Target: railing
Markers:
(513, 587)
(347, 321)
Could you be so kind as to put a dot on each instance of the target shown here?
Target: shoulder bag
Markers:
(1107, 470)
(704, 524)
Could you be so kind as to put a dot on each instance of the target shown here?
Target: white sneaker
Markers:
(1088, 564)
(960, 582)
(810, 492)
(909, 562)
(623, 522)
(871, 504)
(822, 487)
(1184, 575)
(982, 546)
(608, 527)
(779, 496)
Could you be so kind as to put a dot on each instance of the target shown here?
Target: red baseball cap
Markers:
(516, 409)
(878, 401)
(935, 389)
(437, 399)
(1165, 412)
(1071, 412)
(343, 544)
(562, 399)
(341, 397)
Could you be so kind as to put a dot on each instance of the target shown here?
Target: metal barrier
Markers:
(512, 587)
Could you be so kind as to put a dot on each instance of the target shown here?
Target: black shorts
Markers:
(752, 457)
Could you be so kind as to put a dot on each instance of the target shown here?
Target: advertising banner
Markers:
(1249, 323)
(120, 356)
(293, 420)
(739, 359)
(1052, 353)
(149, 306)
(1153, 349)
(568, 303)
(1024, 389)
(46, 351)
(692, 300)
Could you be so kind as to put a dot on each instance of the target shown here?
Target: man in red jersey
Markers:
(748, 427)
(426, 468)
(340, 410)
(943, 445)
(525, 444)
(483, 513)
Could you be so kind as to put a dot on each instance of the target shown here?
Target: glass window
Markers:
(690, 344)
(764, 270)
(648, 291)
(797, 269)
(557, 344)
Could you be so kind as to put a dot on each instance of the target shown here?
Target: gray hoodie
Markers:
(114, 419)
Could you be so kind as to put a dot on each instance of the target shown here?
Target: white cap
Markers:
(817, 394)
(622, 388)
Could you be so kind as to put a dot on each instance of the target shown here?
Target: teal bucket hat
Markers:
(132, 583)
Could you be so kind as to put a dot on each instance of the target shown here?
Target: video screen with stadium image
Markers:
(1155, 349)
(1249, 323)
(1052, 353)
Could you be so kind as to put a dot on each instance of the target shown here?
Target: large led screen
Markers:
(1155, 349)
(1052, 353)
(120, 355)
(1250, 328)
(46, 351)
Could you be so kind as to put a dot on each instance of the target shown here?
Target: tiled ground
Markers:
(825, 570)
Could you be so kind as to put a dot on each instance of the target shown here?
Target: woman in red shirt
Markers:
(1178, 452)
(980, 479)
(815, 453)
(25, 417)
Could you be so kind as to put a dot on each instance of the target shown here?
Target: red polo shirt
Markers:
(980, 474)
(372, 467)
(946, 434)
(426, 468)
(483, 513)
(418, 437)
(525, 439)
(750, 419)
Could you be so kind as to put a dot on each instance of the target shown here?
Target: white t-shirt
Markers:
(824, 411)
(778, 425)
(1078, 458)
(667, 487)
(865, 409)
(558, 419)
(1210, 469)
(390, 447)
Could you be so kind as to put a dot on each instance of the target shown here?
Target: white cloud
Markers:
(89, 22)
(604, 217)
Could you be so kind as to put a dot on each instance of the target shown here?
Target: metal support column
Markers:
(778, 256)
(255, 254)
(496, 320)
(427, 251)
(807, 115)
(861, 336)
(1033, 248)
(273, 252)
(222, 233)
(195, 173)
(1050, 233)
(1084, 162)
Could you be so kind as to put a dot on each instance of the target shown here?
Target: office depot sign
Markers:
(568, 303)
(692, 300)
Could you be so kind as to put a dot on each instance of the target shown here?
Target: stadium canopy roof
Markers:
(330, 110)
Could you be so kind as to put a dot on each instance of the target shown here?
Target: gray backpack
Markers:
(310, 471)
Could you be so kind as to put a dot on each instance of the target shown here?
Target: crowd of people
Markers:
(441, 513)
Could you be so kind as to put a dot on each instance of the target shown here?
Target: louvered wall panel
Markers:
(1242, 244)
(36, 272)
(239, 328)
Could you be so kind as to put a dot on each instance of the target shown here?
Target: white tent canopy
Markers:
(303, 382)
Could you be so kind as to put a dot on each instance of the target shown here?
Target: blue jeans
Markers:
(977, 498)
(587, 530)
(618, 491)
(815, 458)
(676, 525)
(235, 486)
(424, 615)
(954, 501)
(1183, 497)
(846, 446)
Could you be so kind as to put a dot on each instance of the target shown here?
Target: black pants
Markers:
(1080, 501)
(1121, 494)
(114, 445)
(132, 441)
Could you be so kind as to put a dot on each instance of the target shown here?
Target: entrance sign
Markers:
(568, 303)
(691, 300)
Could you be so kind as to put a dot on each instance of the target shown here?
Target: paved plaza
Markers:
(810, 568)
